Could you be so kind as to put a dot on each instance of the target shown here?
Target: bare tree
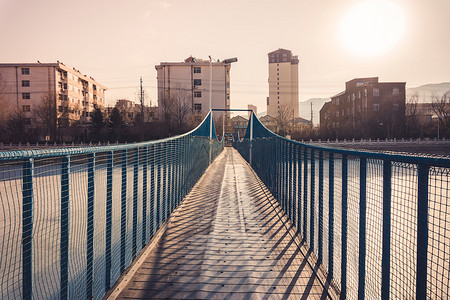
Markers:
(285, 114)
(441, 106)
(176, 110)
(45, 113)
(4, 107)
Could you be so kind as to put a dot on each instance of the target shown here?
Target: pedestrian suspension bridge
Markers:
(186, 217)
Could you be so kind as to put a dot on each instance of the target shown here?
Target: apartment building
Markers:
(366, 109)
(186, 86)
(283, 84)
(74, 95)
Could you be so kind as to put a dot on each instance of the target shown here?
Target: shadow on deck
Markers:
(228, 239)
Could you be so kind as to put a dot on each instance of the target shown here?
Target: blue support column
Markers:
(27, 231)
(344, 247)
(362, 227)
(331, 214)
(144, 194)
(90, 226)
(123, 212)
(312, 202)
(109, 185)
(305, 194)
(386, 250)
(64, 242)
(135, 201)
(422, 232)
(320, 221)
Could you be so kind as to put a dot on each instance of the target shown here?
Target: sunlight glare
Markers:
(372, 27)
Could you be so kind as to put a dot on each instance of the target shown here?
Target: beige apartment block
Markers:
(25, 86)
(283, 85)
(187, 85)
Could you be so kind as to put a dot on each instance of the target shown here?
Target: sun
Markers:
(372, 27)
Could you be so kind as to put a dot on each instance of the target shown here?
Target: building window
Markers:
(365, 92)
(396, 106)
(278, 87)
(197, 94)
(396, 92)
(278, 93)
(376, 107)
(337, 101)
(25, 95)
(25, 83)
(197, 69)
(197, 82)
(376, 92)
(197, 106)
(25, 71)
(27, 121)
(26, 108)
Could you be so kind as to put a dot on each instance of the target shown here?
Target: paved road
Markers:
(227, 240)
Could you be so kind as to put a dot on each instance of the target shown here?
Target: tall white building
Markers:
(283, 84)
(188, 84)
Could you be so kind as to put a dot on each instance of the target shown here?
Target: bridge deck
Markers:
(228, 239)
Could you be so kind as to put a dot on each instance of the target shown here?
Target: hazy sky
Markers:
(118, 41)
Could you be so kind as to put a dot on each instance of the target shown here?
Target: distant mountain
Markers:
(425, 92)
(305, 109)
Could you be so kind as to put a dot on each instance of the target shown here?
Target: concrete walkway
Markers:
(227, 240)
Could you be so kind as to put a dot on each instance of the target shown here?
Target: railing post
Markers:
(135, 200)
(152, 191)
(165, 199)
(123, 211)
(90, 226)
(344, 227)
(64, 242)
(109, 185)
(27, 231)
(331, 214)
(158, 186)
(312, 199)
(305, 193)
(362, 227)
(144, 194)
(299, 190)
(422, 232)
(386, 250)
(320, 221)
(294, 185)
(290, 183)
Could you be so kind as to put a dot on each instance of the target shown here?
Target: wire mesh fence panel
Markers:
(353, 221)
(438, 255)
(403, 230)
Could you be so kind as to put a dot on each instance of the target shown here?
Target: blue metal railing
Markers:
(379, 223)
(72, 220)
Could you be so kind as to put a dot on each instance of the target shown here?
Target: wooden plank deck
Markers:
(228, 239)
